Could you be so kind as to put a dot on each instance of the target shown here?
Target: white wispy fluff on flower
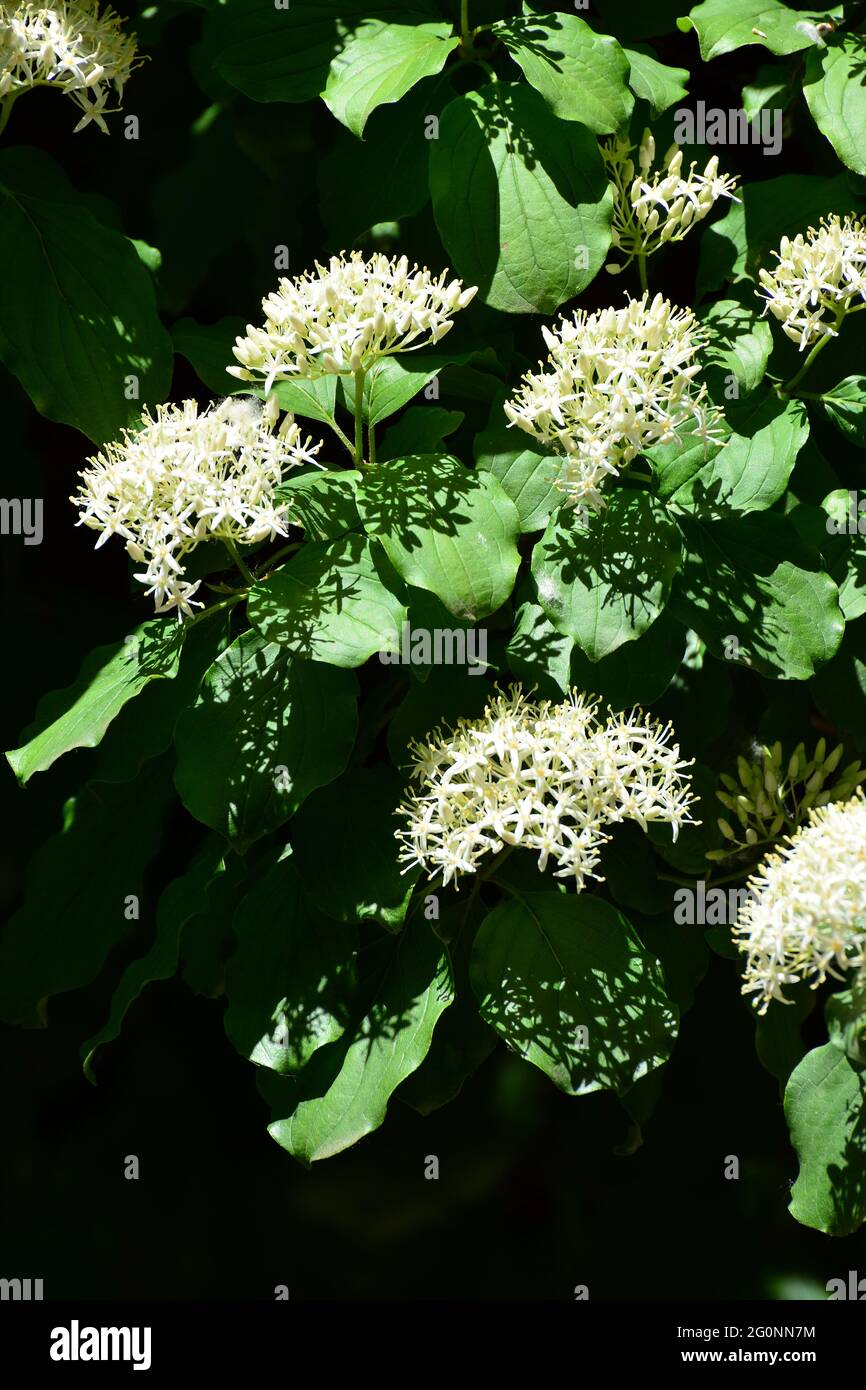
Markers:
(71, 46)
(806, 916)
(345, 316)
(819, 278)
(545, 777)
(653, 206)
(186, 477)
(616, 382)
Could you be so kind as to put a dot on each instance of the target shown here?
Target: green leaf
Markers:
(769, 90)
(635, 674)
(845, 405)
(653, 81)
(841, 541)
(286, 54)
(180, 901)
(265, 731)
(834, 91)
(422, 429)
(353, 196)
(322, 501)
(750, 579)
(111, 676)
(723, 25)
(79, 887)
(334, 601)
(748, 474)
(444, 529)
(564, 980)
(521, 200)
(346, 851)
(389, 1044)
(582, 75)
(528, 475)
(208, 346)
(78, 318)
(380, 64)
(289, 981)
(395, 380)
(825, 1106)
(770, 209)
(606, 582)
(739, 347)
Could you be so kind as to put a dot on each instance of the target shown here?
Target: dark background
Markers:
(533, 1198)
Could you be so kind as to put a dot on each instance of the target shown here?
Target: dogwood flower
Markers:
(70, 46)
(805, 917)
(654, 206)
(616, 382)
(819, 278)
(187, 477)
(544, 777)
(345, 317)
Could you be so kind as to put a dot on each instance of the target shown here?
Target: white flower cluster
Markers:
(187, 477)
(345, 317)
(818, 278)
(70, 46)
(544, 777)
(617, 381)
(651, 206)
(806, 916)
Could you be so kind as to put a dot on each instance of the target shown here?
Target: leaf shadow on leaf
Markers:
(619, 565)
(594, 1021)
(731, 594)
(392, 507)
(524, 33)
(848, 1179)
(299, 626)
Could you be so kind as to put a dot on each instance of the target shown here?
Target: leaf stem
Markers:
(359, 418)
(344, 439)
(465, 31)
(242, 565)
(215, 608)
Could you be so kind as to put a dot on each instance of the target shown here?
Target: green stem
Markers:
(6, 109)
(359, 418)
(465, 32)
(343, 438)
(710, 882)
(819, 346)
(641, 270)
(215, 608)
(246, 572)
(281, 554)
(371, 443)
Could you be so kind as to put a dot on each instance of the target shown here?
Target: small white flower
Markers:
(651, 206)
(818, 278)
(615, 383)
(544, 777)
(70, 46)
(806, 918)
(187, 477)
(345, 317)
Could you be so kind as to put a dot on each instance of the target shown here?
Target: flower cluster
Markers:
(544, 777)
(345, 317)
(806, 914)
(818, 278)
(772, 795)
(70, 46)
(187, 477)
(655, 206)
(616, 382)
